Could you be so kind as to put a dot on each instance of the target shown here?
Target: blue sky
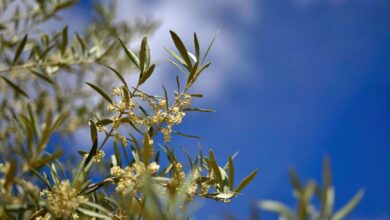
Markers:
(291, 81)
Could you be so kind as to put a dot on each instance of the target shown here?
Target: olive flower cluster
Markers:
(161, 113)
(186, 185)
(129, 179)
(63, 200)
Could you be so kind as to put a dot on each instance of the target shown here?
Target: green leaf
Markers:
(104, 122)
(81, 42)
(349, 206)
(144, 54)
(181, 48)
(203, 68)
(277, 207)
(94, 139)
(327, 202)
(245, 182)
(59, 120)
(188, 156)
(15, 87)
(101, 92)
(92, 213)
(20, 49)
(117, 154)
(45, 160)
(118, 75)
(209, 47)
(177, 66)
(42, 76)
(131, 55)
(294, 180)
(46, 132)
(166, 98)
(217, 172)
(177, 57)
(64, 43)
(186, 135)
(231, 173)
(327, 173)
(10, 175)
(43, 179)
(97, 206)
(146, 74)
(147, 148)
(196, 44)
(192, 75)
(197, 110)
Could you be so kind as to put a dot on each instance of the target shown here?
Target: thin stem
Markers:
(32, 65)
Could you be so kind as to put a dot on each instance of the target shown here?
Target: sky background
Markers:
(291, 81)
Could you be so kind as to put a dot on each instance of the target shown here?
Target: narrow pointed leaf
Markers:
(245, 182)
(101, 92)
(131, 55)
(81, 42)
(186, 135)
(118, 75)
(147, 74)
(209, 47)
(197, 110)
(217, 172)
(231, 173)
(177, 57)
(196, 45)
(15, 87)
(117, 154)
(20, 48)
(181, 48)
(279, 208)
(64, 42)
(349, 206)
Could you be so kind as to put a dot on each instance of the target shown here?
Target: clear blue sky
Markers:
(319, 84)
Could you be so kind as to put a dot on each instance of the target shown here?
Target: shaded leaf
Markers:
(118, 75)
(209, 47)
(101, 92)
(197, 110)
(196, 45)
(181, 48)
(15, 87)
(20, 48)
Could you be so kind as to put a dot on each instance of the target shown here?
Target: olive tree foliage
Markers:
(314, 201)
(49, 84)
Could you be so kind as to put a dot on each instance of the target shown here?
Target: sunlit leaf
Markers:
(279, 208)
(231, 173)
(131, 55)
(245, 182)
(339, 215)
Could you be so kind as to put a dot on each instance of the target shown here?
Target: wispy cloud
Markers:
(205, 18)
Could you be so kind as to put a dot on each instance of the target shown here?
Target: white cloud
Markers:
(205, 18)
